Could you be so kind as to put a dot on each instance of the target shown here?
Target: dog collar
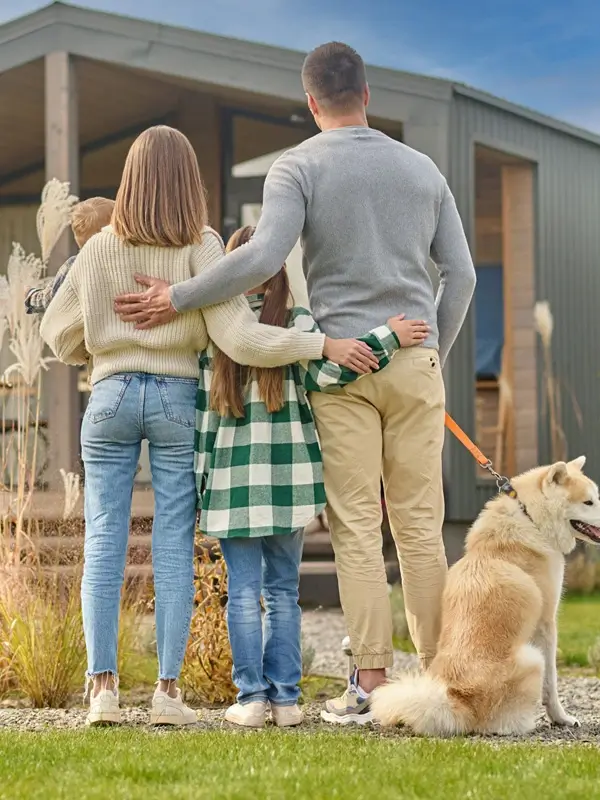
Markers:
(509, 490)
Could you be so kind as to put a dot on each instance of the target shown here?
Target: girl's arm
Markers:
(62, 325)
(319, 375)
(38, 299)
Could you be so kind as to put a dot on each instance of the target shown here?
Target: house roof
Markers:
(221, 61)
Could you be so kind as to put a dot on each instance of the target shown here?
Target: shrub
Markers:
(206, 675)
(43, 640)
(43, 653)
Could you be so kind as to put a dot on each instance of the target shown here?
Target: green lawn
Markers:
(270, 765)
(578, 628)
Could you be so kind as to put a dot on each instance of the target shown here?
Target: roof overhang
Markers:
(214, 60)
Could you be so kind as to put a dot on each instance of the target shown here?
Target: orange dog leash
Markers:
(502, 483)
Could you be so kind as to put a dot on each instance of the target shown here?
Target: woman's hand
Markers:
(351, 353)
(409, 331)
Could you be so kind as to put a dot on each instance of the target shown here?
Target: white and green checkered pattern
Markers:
(262, 474)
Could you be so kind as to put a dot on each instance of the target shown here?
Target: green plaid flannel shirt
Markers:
(262, 474)
(38, 299)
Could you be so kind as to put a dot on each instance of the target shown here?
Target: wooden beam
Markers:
(62, 162)
(90, 147)
(518, 244)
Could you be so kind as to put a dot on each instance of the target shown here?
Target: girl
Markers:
(144, 387)
(259, 480)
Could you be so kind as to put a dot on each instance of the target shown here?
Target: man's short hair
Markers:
(334, 74)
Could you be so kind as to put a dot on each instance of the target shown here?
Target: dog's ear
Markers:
(578, 463)
(556, 474)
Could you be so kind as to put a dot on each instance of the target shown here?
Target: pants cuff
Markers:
(374, 661)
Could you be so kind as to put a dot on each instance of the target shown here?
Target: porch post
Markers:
(518, 248)
(62, 162)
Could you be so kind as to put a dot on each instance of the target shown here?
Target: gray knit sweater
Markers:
(370, 212)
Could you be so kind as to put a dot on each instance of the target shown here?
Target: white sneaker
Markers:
(167, 710)
(104, 709)
(286, 716)
(250, 715)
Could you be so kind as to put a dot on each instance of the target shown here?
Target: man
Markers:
(371, 212)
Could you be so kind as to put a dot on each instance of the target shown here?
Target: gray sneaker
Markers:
(350, 708)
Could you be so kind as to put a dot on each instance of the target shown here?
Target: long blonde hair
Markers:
(161, 200)
(230, 379)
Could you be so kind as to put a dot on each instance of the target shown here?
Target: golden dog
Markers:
(496, 655)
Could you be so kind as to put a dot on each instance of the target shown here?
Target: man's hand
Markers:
(147, 309)
(351, 353)
(409, 331)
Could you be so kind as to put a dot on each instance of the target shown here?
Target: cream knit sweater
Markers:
(81, 317)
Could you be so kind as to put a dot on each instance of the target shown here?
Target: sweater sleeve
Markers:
(450, 252)
(233, 326)
(62, 325)
(279, 228)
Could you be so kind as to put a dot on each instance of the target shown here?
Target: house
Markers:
(77, 86)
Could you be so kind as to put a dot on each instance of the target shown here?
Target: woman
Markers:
(144, 387)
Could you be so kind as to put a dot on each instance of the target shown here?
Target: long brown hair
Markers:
(161, 200)
(229, 379)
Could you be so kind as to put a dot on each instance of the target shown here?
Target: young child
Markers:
(259, 480)
(87, 219)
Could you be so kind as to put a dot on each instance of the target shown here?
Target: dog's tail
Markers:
(422, 703)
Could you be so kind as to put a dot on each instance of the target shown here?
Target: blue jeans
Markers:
(122, 411)
(268, 565)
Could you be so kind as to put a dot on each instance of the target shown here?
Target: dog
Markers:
(496, 654)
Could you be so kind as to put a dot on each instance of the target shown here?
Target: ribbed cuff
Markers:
(372, 661)
(310, 346)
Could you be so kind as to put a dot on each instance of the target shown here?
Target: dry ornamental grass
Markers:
(206, 675)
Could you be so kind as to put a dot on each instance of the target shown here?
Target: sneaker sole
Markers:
(290, 724)
(256, 724)
(161, 719)
(347, 719)
(106, 718)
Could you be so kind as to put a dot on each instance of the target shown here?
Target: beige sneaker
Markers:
(104, 709)
(249, 715)
(286, 716)
(167, 710)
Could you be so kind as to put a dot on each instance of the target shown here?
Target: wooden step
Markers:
(318, 545)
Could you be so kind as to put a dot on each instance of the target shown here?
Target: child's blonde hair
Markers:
(89, 217)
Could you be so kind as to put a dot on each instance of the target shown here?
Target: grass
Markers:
(272, 765)
(578, 628)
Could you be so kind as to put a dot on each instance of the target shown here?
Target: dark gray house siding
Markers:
(567, 275)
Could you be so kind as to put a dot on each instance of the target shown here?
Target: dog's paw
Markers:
(565, 720)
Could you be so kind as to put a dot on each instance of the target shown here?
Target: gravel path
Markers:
(324, 631)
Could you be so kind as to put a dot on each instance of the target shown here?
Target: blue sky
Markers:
(541, 53)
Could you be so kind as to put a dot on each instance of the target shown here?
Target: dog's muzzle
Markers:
(588, 532)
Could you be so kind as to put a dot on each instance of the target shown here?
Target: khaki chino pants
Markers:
(388, 424)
